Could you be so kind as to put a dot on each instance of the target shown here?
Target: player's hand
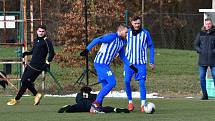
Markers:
(133, 68)
(24, 54)
(84, 52)
(152, 66)
(46, 66)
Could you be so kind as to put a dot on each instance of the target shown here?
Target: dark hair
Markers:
(134, 18)
(42, 27)
(122, 26)
(86, 89)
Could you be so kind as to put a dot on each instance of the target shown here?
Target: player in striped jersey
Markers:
(138, 40)
(112, 44)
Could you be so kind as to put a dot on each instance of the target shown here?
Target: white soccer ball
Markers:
(149, 108)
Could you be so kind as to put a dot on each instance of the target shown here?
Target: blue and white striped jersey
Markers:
(136, 49)
(111, 45)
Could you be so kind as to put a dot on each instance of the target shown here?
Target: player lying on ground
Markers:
(84, 99)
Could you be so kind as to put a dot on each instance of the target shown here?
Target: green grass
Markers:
(166, 110)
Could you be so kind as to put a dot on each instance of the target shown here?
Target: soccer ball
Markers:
(149, 108)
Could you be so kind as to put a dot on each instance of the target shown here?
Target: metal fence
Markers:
(173, 30)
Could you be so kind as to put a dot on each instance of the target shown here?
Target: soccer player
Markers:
(138, 40)
(112, 44)
(84, 99)
(42, 48)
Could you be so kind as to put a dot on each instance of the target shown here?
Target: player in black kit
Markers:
(42, 54)
(84, 99)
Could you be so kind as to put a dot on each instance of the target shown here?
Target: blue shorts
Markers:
(141, 71)
(104, 72)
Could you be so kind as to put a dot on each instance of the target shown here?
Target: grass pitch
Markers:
(166, 110)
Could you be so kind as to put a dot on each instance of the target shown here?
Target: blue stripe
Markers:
(139, 49)
(106, 52)
(99, 58)
(141, 45)
(111, 49)
(129, 47)
(144, 47)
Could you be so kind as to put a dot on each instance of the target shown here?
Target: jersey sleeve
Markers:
(102, 39)
(151, 47)
(30, 52)
(123, 57)
(51, 51)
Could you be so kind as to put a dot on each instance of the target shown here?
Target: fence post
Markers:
(126, 17)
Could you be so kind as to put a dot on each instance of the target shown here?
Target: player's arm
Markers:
(151, 48)
(51, 52)
(30, 52)
(102, 39)
(150, 45)
(123, 57)
(27, 53)
(126, 61)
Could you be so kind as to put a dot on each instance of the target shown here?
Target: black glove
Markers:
(133, 68)
(46, 67)
(84, 52)
(25, 53)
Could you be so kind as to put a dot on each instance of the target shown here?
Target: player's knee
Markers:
(141, 78)
(127, 82)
